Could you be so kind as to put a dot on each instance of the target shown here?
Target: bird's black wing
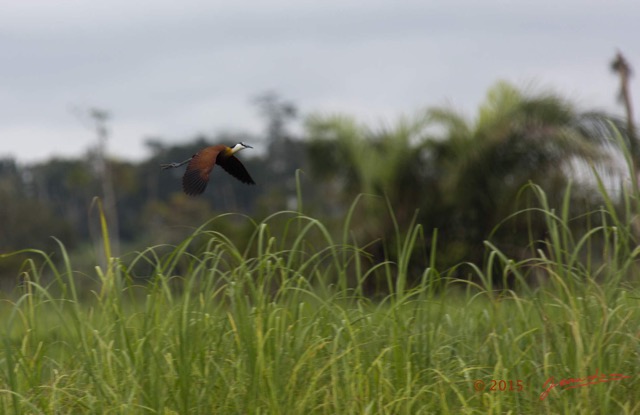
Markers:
(234, 167)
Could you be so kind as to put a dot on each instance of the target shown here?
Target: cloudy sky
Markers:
(172, 69)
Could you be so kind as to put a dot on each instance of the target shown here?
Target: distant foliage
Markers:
(464, 177)
(438, 169)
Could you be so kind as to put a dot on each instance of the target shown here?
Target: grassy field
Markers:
(283, 327)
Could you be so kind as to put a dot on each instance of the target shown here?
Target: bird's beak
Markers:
(247, 146)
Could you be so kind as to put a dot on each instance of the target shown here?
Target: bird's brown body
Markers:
(196, 177)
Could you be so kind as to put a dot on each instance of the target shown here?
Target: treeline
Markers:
(439, 168)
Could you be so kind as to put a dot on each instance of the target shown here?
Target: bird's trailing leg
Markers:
(173, 165)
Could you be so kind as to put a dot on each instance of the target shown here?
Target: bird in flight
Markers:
(196, 177)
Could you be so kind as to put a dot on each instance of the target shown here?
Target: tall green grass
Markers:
(283, 325)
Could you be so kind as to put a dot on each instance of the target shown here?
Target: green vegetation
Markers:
(283, 325)
(451, 274)
(460, 174)
(465, 175)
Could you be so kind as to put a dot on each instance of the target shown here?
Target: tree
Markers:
(517, 137)
(25, 222)
(284, 153)
(463, 176)
(347, 159)
(360, 160)
(621, 67)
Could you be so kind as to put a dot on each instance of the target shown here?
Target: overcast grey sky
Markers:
(173, 69)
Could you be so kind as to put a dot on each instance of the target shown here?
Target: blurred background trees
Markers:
(448, 172)
(517, 137)
(462, 176)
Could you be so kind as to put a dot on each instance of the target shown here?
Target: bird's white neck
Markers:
(237, 148)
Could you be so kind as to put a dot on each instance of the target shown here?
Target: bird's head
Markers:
(238, 147)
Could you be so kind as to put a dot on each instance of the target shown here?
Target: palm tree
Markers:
(350, 159)
(463, 176)
(516, 138)
(357, 159)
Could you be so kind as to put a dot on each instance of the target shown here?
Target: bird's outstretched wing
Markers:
(196, 177)
(194, 182)
(234, 167)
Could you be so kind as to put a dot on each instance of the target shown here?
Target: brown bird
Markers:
(196, 177)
